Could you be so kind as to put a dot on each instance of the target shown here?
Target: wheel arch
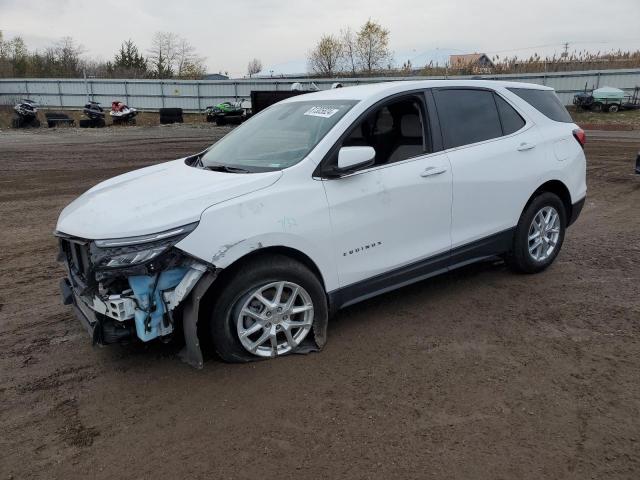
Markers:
(558, 188)
(290, 252)
(224, 274)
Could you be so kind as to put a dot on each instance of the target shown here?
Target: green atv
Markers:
(226, 112)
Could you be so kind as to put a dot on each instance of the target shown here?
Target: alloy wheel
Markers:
(544, 233)
(274, 319)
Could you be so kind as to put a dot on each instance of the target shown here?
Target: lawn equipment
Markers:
(26, 114)
(122, 114)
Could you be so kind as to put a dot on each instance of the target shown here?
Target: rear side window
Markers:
(546, 102)
(511, 120)
(467, 116)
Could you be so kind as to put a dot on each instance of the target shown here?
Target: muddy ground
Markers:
(477, 374)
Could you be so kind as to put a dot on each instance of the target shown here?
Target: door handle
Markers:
(430, 171)
(524, 146)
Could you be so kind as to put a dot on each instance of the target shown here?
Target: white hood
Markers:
(154, 199)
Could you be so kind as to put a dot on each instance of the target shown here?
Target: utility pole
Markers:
(565, 54)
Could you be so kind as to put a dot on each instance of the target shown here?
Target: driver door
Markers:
(391, 221)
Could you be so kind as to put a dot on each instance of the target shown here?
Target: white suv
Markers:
(319, 202)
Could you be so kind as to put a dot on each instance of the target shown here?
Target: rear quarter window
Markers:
(546, 102)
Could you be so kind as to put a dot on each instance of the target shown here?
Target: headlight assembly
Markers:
(130, 251)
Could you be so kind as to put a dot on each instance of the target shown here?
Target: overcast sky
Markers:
(280, 32)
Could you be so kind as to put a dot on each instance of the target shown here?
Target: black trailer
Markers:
(261, 99)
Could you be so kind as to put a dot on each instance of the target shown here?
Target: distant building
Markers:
(477, 62)
(214, 76)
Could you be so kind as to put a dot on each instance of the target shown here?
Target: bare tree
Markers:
(372, 47)
(325, 58)
(349, 49)
(254, 67)
(162, 54)
(188, 63)
(171, 55)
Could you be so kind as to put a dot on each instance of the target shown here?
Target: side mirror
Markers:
(350, 158)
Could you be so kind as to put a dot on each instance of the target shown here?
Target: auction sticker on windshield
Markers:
(324, 112)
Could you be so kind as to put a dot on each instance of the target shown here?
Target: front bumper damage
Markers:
(144, 302)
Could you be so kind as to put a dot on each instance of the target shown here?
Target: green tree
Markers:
(326, 57)
(372, 47)
(129, 61)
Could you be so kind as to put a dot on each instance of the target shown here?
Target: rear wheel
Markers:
(539, 234)
(267, 309)
(613, 108)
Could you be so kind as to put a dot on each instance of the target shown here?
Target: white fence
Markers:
(195, 95)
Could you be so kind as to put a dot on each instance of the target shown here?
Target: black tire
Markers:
(51, 124)
(251, 276)
(85, 123)
(596, 107)
(35, 123)
(16, 122)
(519, 259)
(221, 121)
(613, 108)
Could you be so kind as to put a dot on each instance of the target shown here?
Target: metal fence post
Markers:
(126, 92)
(60, 93)
(162, 92)
(198, 93)
(598, 80)
(235, 89)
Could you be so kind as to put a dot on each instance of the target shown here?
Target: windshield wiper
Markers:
(218, 167)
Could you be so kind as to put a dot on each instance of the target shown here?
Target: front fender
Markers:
(293, 216)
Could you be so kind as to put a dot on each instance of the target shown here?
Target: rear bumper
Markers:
(576, 209)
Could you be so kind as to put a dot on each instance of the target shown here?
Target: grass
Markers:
(624, 120)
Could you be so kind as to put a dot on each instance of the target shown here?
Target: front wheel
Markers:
(267, 309)
(539, 234)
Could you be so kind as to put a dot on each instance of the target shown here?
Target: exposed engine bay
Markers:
(130, 288)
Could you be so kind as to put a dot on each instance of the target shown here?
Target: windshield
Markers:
(277, 137)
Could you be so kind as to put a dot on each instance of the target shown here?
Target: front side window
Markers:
(277, 137)
(395, 130)
(467, 116)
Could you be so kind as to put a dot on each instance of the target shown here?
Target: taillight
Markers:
(580, 136)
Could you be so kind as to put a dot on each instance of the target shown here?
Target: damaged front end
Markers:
(137, 287)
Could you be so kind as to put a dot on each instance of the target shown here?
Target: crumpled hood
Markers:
(154, 199)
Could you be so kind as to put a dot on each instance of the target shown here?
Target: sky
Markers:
(280, 33)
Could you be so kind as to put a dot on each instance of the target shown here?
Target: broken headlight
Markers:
(130, 251)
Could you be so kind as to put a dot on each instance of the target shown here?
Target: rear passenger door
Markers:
(492, 150)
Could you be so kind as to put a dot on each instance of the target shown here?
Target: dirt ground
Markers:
(478, 374)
